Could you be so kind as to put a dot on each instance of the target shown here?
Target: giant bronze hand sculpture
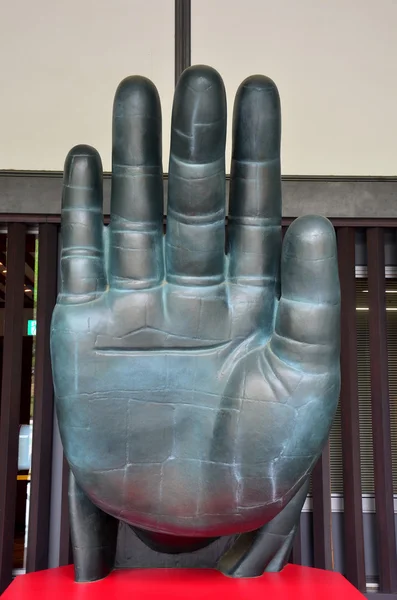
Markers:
(195, 387)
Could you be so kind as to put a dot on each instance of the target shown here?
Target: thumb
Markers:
(307, 328)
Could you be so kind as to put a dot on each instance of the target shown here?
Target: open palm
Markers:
(195, 386)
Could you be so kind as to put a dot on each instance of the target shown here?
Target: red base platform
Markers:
(297, 583)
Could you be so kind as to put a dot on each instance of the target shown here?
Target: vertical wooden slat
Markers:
(39, 516)
(10, 396)
(26, 379)
(385, 524)
(353, 517)
(322, 516)
(182, 36)
(64, 538)
(296, 554)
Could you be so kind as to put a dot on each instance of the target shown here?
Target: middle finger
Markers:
(195, 238)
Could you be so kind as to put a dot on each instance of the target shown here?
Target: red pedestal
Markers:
(293, 583)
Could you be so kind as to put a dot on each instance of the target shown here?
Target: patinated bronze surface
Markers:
(195, 386)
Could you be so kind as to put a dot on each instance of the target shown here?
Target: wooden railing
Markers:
(354, 559)
(37, 552)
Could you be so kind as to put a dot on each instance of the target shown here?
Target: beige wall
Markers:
(60, 64)
(334, 62)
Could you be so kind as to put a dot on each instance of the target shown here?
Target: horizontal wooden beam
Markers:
(36, 219)
(39, 193)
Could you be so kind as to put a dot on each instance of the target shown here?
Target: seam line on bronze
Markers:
(131, 280)
(246, 279)
(133, 234)
(198, 280)
(83, 188)
(183, 163)
(85, 155)
(118, 168)
(203, 219)
(188, 178)
(304, 344)
(308, 303)
(306, 259)
(77, 209)
(127, 249)
(147, 228)
(245, 162)
(269, 222)
(311, 374)
(195, 250)
(70, 254)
